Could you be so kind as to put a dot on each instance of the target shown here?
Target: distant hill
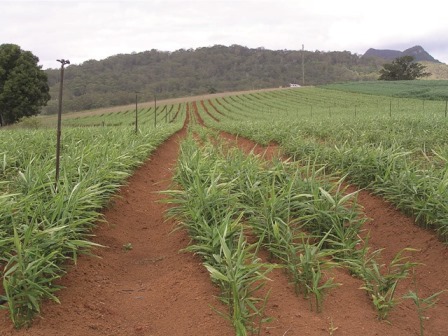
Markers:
(417, 52)
(186, 72)
(437, 70)
(386, 54)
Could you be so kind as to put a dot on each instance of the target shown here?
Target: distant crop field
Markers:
(419, 89)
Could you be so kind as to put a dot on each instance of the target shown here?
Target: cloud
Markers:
(83, 30)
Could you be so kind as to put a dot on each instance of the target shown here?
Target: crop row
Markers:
(164, 114)
(301, 215)
(44, 224)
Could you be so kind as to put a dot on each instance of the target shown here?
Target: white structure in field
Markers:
(294, 85)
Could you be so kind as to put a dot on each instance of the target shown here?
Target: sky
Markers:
(96, 29)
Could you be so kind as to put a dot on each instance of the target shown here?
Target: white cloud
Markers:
(82, 30)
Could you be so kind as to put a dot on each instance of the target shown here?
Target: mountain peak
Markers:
(420, 54)
(417, 52)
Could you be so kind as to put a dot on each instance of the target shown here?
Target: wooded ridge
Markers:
(185, 72)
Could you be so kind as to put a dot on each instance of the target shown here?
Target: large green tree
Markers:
(403, 68)
(23, 84)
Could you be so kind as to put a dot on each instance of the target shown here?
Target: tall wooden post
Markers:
(155, 111)
(58, 133)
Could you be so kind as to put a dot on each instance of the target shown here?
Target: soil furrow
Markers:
(348, 308)
(140, 284)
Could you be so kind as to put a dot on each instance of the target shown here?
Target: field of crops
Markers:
(235, 205)
(396, 147)
(417, 89)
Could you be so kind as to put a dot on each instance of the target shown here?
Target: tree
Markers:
(403, 68)
(23, 84)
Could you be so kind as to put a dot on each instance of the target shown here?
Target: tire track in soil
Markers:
(152, 289)
(348, 308)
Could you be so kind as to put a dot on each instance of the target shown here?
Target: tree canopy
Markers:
(403, 68)
(23, 84)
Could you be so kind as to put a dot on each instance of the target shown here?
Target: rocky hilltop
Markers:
(417, 52)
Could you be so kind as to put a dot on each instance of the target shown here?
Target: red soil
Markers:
(208, 112)
(214, 107)
(196, 113)
(152, 289)
(177, 112)
(155, 290)
(348, 308)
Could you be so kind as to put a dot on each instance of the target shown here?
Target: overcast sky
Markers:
(83, 30)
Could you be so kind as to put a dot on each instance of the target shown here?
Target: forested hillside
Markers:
(114, 81)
